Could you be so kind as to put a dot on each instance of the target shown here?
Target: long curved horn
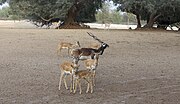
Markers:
(90, 34)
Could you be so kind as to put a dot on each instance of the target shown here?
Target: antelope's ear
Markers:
(78, 43)
(72, 66)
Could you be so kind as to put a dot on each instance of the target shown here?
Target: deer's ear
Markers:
(78, 43)
(72, 66)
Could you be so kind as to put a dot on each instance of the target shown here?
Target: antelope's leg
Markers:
(91, 84)
(80, 90)
(94, 80)
(59, 50)
(75, 85)
(65, 84)
(88, 81)
(72, 83)
(87, 90)
(68, 51)
(61, 76)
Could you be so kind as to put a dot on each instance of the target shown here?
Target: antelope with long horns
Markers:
(88, 53)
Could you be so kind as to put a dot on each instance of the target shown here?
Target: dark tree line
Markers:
(161, 12)
(72, 12)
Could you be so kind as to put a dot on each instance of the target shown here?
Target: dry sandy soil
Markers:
(139, 67)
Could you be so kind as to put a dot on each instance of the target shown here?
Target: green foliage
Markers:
(87, 14)
(4, 13)
(160, 11)
(113, 17)
(169, 13)
(106, 14)
(2, 1)
(35, 9)
(116, 17)
(103, 15)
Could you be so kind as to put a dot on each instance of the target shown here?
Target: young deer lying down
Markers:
(86, 75)
(91, 65)
(66, 45)
(67, 68)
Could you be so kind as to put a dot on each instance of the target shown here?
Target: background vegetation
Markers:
(163, 13)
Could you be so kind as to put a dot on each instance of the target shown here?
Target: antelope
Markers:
(88, 53)
(107, 25)
(67, 45)
(83, 74)
(91, 65)
(67, 68)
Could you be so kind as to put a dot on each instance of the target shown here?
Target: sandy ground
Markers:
(139, 67)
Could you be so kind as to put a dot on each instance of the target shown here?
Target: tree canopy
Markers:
(109, 14)
(162, 12)
(70, 11)
(2, 1)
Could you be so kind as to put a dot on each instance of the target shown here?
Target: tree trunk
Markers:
(71, 15)
(150, 22)
(70, 19)
(138, 21)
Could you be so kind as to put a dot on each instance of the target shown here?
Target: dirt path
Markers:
(137, 68)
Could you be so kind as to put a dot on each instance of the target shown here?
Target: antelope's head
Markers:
(104, 45)
(75, 67)
(102, 48)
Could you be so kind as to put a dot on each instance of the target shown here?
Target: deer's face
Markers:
(103, 47)
(75, 67)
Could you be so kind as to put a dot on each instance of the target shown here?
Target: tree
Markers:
(70, 11)
(4, 13)
(103, 14)
(131, 6)
(150, 10)
(106, 14)
(3, 1)
(116, 17)
(169, 14)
